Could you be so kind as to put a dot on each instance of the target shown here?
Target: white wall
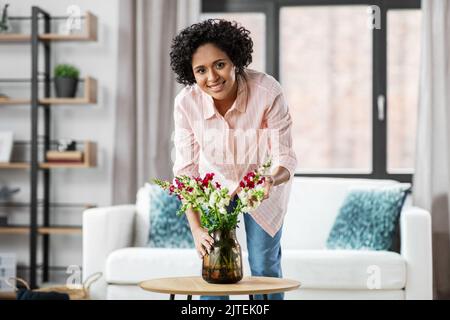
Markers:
(83, 122)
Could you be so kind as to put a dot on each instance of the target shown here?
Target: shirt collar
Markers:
(209, 110)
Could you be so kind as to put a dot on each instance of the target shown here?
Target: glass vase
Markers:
(224, 263)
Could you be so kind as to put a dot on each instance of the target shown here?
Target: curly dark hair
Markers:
(228, 36)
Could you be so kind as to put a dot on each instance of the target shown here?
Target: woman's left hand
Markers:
(268, 183)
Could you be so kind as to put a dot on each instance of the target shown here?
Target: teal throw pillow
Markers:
(368, 218)
(167, 230)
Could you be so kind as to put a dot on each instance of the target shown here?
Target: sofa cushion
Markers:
(142, 221)
(167, 229)
(345, 269)
(133, 265)
(312, 209)
(368, 218)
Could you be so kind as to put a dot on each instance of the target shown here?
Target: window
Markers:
(403, 54)
(352, 90)
(326, 73)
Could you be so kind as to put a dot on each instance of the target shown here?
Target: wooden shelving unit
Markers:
(40, 19)
(89, 97)
(89, 157)
(90, 33)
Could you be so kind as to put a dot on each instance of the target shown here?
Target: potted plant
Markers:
(66, 80)
(219, 214)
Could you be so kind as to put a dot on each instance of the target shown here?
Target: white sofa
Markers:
(114, 241)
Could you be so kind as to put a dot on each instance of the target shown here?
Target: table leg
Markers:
(189, 297)
(265, 297)
(251, 297)
(172, 296)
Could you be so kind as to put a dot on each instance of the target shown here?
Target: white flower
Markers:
(201, 200)
(243, 196)
(251, 198)
(213, 198)
(224, 202)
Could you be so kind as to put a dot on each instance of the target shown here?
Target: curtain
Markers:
(431, 178)
(146, 89)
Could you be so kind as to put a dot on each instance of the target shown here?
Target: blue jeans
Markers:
(264, 256)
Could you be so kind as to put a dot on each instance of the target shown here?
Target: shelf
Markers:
(15, 37)
(90, 97)
(14, 165)
(4, 101)
(7, 296)
(51, 204)
(89, 157)
(91, 25)
(15, 229)
(45, 165)
(59, 230)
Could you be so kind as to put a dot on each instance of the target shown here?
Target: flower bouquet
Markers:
(219, 214)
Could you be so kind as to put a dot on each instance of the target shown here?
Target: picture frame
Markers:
(6, 145)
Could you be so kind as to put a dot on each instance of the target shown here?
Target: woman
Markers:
(222, 106)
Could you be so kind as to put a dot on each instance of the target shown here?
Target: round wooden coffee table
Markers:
(197, 286)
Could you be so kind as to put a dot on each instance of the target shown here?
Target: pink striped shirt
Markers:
(257, 125)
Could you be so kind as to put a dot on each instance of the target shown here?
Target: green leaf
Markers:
(66, 71)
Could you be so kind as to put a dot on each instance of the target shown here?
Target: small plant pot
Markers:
(66, 87)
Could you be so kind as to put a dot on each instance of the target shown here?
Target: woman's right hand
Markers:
(203, 241)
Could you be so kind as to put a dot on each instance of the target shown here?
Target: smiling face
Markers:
(214, 72)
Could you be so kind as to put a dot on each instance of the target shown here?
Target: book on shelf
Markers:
(64, 156)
